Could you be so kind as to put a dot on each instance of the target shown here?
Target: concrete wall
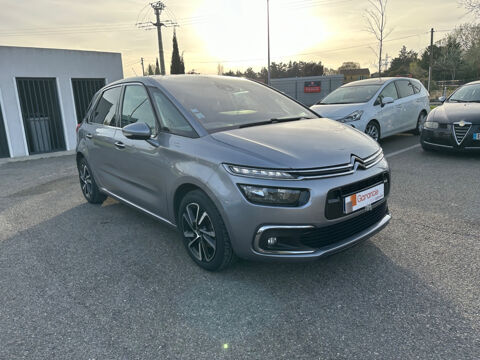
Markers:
(294, 87)
(53, 63)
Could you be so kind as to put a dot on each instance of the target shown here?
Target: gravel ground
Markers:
(79, 281)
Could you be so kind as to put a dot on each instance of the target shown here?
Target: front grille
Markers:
(320, 237)
(461, 131)
(342, 169)
(334, 207)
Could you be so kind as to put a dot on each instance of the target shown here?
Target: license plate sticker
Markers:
(363, 198)
(476, 136)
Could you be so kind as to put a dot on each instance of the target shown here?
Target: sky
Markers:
(228, 32)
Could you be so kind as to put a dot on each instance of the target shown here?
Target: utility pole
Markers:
(431, 60)
(386, 62)
(143, 69)
(268, 40)
(158, 7)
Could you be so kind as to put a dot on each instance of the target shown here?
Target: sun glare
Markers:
(238, 38)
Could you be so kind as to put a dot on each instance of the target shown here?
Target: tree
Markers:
(150, 69)
(376, 18)
(219, 69)
(176, 66)
(450, 58)
(401, 64)
(472, 6)
(157, 68)
(347, 65)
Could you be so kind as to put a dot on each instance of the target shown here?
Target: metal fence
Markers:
(308, 90)
(83, 91)
(41, 114)
(4, 152)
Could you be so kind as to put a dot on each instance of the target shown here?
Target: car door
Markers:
(100, 130)
(407, 119)
(386, 114)
(138, 166)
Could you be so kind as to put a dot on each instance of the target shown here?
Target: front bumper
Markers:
(443, 138)
(245, 221)
(307, 252)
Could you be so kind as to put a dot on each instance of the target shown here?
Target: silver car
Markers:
(380, 107)
(239, 168)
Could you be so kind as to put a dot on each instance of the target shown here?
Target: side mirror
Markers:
(137, 131)
(387, 100)
(442, 99)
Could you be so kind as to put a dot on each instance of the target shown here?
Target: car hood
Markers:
(300, 144)
(336, 111)
(453, 112)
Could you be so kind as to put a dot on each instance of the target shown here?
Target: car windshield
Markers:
(219, 103)
(351, 94)
(467, 93)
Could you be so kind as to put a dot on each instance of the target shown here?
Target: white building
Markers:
(44, 92)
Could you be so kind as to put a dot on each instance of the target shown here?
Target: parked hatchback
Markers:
(379, 107)
(239, 168)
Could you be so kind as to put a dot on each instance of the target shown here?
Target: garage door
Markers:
(41, 114)
(3, 137)
(83, 91)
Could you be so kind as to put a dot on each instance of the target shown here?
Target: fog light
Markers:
(271, 241)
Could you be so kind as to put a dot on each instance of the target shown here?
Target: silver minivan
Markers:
(239, 168)
(380, 107)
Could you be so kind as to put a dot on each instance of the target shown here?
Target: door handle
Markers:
(119, 145)
(89, 136)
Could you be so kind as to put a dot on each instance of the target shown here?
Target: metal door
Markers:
(83, 91)
(4, 152)
(41, 114)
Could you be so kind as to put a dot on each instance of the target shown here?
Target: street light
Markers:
(268, 40)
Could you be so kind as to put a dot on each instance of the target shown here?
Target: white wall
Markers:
(60, 64)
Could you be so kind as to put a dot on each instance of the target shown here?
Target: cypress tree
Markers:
(177, 66)
(157, 68)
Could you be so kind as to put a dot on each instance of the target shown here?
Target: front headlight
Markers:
(354, 116)
(258, 173)
(263, 195)
(430, 125)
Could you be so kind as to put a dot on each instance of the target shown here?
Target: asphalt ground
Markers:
(79, 281)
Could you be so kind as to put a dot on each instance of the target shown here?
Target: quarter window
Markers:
(405, 88)
(137, 107)
(106, 108)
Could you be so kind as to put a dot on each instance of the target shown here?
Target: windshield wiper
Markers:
(274, 121)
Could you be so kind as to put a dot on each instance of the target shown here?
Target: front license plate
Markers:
(363, 199)
(476, 136)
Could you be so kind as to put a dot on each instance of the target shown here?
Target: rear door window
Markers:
(106, 107)
(405, 88)
(388, 91)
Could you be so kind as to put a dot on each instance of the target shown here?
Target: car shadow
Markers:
(109, 282)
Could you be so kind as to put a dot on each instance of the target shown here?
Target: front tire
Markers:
(89, 187)
(373, 130)
(204, 234)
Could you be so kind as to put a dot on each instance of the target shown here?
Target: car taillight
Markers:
(78, 127)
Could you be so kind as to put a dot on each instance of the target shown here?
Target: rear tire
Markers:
(420, 121)
(89, 187)
(204, 233)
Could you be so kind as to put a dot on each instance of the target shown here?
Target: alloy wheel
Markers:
(372, 131)
(86, 181)
(421, 120)
(199, 232)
